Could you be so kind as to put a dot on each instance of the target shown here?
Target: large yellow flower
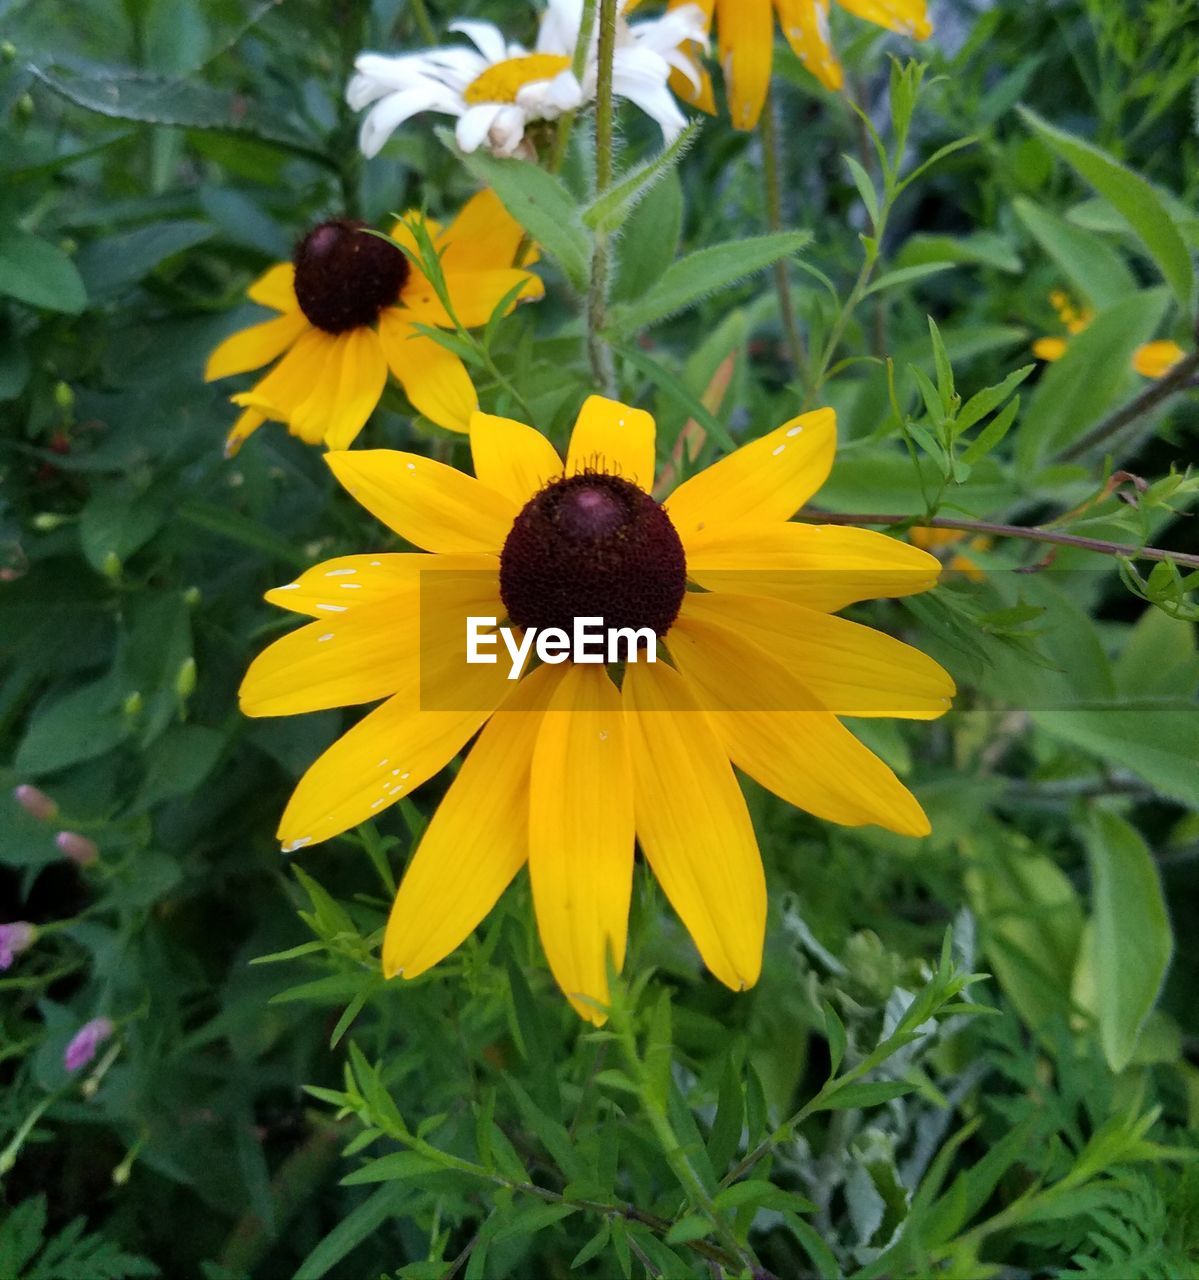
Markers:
(347, 306)
(569, 768)
(745, 40)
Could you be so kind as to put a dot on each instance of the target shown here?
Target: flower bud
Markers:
(84, 1043)
(185, 679)
(35, 802)
(48, 521)
(15, 937)
(82, 851)
(192, 597)
(132, 706)
(64, 396)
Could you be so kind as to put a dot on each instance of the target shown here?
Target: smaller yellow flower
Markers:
(745, 39)
(1150, 360)
(941, 543)
(346, 309)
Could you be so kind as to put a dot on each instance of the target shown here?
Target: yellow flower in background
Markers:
(347, 306)
(569, 768)
(745, 41)
(946, 542)
(1150, 360)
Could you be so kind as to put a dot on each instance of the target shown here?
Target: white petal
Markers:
(386, 116)
(640, 76)
(475, 125)
(485, 36)
(559, 32)
(507, 131)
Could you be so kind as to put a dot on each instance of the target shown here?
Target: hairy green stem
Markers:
(997, 530)
(771, 167)
(602, 365)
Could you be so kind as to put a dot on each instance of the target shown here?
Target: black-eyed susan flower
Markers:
(745, 43)
(497, 88)
(570, 767)
(1151, 359)
(347, 306)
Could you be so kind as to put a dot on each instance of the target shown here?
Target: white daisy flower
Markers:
(497, 88)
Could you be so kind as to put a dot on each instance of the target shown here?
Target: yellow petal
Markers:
(346, 392)
(483, 236)
(745, 40)
(474, 295)
(851, 670)
(1156, 359)
(276, 288)
(253, 347)
(767, 479)
(434, 379)
(581, 836)
(368, 653)
(512, 458)
(1049, 348)
(703, 98)
(349, 582)
(907, 17)
(822, 567)
(805, 24)
(805, 756)
(293, 379)
(693, 824)
(476, 841)
(249, 420)
(431, 505)
(613, 438)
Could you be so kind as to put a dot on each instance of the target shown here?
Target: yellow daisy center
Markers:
(503, 81)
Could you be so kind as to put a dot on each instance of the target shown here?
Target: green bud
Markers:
(64, 396)
(133, 705)
(111, 568)
(185, 679)
(48, 521)
(24, 107)
(192, 597)
(8, 51)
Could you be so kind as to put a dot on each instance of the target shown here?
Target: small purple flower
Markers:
(15, 938)
(35, 803)
(82, 851)
(85, 1042)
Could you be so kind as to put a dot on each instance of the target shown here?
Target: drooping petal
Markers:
(476, 841)
(253, 347)
(693, 823)
(767, 479)
(852, 670)
(293, 380)
(512, 458)
(248, 421)
(431, 505)
(390, 752)
(434, 379)
(368, 653)
(347, 392)
(906, 17)
(581, 836)
(349, 582)
(612, 437)
(745, 40)
(822, 567)
(276, 288)
(805, 24)
(805, 756)
(642, 76)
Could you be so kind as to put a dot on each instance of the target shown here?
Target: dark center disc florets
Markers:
(593, 546)
(345, 275)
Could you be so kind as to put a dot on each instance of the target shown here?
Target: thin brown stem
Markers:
(993, 529)
(771, 172)
(602, 365)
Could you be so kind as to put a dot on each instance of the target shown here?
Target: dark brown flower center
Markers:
(345, 275)
(593, 546)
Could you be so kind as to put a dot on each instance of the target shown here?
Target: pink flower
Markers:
(82, 851)
(35, 803)
(15, 938)
(85, 1042)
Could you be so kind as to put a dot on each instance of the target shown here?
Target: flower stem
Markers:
(602, 365)
(1030, 534)
(578, 68)
(774, 216)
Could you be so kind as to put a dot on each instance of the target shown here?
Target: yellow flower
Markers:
(569, 768)
(745, 40)
(1150, 360)
(347, 306)
(946, 540)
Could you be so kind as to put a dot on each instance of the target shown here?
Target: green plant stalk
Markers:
(578, 67)
(421, 14)
(603, 367)
(774, 217)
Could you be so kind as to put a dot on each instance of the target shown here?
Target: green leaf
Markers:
(35, 272)
(834, 1030)
(1076, 391)
(868, 1093)
(115, 522)
(352, 1230)
(537, 1217)
(118, 261)
(80, 726)
(610, 211)
(989, 399)
(1132, 941)
(1131, 196)
(395, 1167)
(1092, 268)
(907, 275)
(1159, 744)
(865, 186)
(707, 271)
(649, 241)
(541, 204)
